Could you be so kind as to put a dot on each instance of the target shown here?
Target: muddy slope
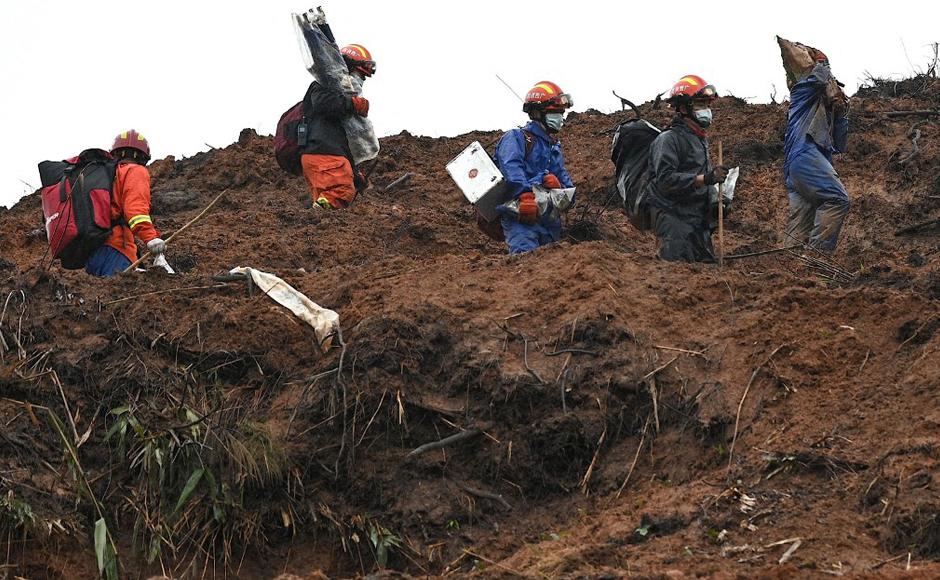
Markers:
(619, 415)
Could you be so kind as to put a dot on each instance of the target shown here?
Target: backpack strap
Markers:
(529, 142)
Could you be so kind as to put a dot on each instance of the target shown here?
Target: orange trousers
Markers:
(329, 177)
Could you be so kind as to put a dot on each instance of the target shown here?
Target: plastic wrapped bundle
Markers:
(550, 202)
(323, 60)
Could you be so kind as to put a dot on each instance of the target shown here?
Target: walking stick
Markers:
(721, 215)
(177, 232)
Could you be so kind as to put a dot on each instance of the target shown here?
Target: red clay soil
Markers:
(624, 417)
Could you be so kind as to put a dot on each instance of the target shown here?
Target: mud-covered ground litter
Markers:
(616, 416)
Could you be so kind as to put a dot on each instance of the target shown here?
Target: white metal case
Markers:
(479, 179)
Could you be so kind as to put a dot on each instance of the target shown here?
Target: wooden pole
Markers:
(721, 214)
(177, 232)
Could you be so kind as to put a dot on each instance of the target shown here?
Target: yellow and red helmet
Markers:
(548, 97)
(131, 140)
(358, 58)
(692, 87)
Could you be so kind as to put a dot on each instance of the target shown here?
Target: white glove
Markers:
(156, 246)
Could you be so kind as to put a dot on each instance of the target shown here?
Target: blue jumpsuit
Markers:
(523, 170)
(818, 200)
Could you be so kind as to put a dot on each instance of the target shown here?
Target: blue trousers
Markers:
(106, 261)
(818, 201)
(523, 238)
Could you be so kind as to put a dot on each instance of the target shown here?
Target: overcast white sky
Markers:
(191, 73)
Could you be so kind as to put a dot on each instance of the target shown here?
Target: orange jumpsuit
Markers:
(329, 177)
(130, 206)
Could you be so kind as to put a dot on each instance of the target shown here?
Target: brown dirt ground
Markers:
(835, 443)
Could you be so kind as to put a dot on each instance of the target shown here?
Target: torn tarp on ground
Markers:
(324, 321)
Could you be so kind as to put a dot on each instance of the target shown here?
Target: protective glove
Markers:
(361, 106)
(716, 175)
(551, 182)
(156, 246)
(528, 209)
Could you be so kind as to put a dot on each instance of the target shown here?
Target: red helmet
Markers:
(131, 140)
(548, 97)
(692, 87)
(358, 58)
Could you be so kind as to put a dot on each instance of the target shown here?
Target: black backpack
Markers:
(494, 229)
(630, 153)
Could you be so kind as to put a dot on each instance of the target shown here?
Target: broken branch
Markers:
(400, 182)
(456, 438)
(497, 497)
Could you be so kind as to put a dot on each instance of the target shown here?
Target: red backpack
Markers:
(76, 204)
(290, 139)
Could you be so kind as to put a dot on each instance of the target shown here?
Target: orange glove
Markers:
(551, 182)
(361, 106)
(528, 209)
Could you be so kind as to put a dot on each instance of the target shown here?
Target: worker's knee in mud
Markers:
(520, 238)
(520, 244)
(837, 205)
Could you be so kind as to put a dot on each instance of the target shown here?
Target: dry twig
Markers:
(590, 470)
(635, 457)
(737, 418)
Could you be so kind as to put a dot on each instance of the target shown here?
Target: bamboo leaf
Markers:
(101, 544)
(188, 490)
(119, 425)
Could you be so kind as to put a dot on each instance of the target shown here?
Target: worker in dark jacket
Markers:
(326, 160)
(817, 127)
(681, 178)
(532, 156)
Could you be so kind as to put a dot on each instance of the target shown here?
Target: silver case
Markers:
(479, 179)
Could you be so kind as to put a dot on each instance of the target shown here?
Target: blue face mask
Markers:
(554, 121)
(703, 117)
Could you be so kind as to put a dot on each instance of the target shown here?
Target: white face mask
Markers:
(703, 117)
(554, 121)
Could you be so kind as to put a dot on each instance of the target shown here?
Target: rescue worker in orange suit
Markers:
(130, 209)
(681, 177)
(326, 159)
(530, 156)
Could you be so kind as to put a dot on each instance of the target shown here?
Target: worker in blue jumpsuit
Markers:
(817, 127)
(532, 156)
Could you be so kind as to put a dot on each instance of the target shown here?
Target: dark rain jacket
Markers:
(680, 209)
(325, 109)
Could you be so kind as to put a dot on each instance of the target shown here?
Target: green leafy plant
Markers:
(383, 540)
(16, 514)
(189, 481)
(104, 551)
